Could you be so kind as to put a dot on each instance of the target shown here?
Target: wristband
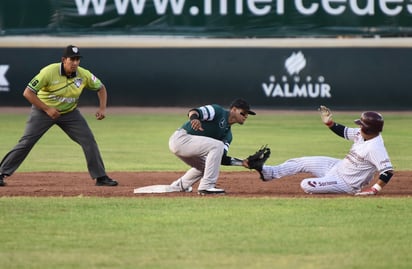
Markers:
(194, 116)
(377, 187)
(386, 176)
(236, 162)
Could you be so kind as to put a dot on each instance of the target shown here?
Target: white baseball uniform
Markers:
(332, 175)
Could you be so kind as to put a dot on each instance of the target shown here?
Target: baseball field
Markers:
(52, 215)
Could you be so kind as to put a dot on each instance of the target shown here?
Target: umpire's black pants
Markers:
(38, 123)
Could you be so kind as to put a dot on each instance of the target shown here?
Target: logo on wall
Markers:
(292, 85)
(4, 83)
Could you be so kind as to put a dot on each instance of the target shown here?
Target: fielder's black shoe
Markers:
(2, 183)
(105, 181)
(211, 191)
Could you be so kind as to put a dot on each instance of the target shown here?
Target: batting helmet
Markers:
(371, 122)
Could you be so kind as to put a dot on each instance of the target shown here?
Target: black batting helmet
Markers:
(371, 122)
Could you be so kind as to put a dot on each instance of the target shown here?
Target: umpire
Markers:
(54, 94)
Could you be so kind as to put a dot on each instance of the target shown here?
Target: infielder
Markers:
(203, 142)
(367, 156)
(54, 94)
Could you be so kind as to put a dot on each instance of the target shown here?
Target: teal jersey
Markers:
(215, 123)
(57, 90)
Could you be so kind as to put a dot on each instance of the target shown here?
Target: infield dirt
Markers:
(236, 184)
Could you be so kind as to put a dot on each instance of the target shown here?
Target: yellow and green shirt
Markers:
(62, 91)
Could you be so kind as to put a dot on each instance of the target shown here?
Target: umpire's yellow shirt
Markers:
(56, 89)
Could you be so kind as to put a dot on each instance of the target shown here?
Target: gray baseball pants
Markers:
(203, 154)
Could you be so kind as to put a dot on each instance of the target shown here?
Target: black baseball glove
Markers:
(256, 161)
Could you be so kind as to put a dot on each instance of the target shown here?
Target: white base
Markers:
(155, 189)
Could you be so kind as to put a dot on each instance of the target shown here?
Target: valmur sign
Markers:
(229, 18)
(366, 78)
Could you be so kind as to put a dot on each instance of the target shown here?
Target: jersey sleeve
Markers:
(95, 83)
(39, 81)
(92, 82)
(227, 140)
(352, 133)
(381, 160)
(208, 112)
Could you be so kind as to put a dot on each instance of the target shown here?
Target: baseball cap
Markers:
(71, 51)
(242, 104)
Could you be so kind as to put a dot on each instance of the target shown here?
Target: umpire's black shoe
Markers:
(105, 181)
(2, 183)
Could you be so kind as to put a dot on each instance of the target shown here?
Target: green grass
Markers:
(205, 233)
(220, 232)
(139, 142)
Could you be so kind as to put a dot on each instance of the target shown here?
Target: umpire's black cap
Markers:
(242, 104)
(71, 51)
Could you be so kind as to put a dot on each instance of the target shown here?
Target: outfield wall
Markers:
(208, 18)
(270, 73)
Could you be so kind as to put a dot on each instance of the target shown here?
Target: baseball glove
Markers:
(256, 160)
